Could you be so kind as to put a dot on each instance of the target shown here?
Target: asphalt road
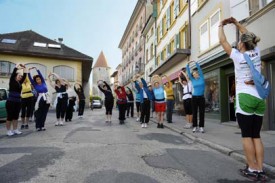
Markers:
(89, 150)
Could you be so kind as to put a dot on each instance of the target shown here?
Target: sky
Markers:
(88, 26)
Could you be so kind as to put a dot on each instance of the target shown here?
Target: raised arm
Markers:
(59, 78)
(108, 86)
(50, 81)
(168, 80)
(223, 41)
(188, 71)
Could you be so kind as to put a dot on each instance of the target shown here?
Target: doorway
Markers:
(231, 96)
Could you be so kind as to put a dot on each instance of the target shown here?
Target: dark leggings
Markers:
(145, 111)
(26, 106)
(81, 107)
(109, 104)
(61, 107)
(122, 110)
(41, 113)
(130, 107)
(198, 102)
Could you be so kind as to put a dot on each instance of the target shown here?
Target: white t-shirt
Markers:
(242, 70)
(186, 89)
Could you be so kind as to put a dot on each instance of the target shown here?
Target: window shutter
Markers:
(160, 29)
(168, 18)
(239, 9)
(177, 41)
(204, 38)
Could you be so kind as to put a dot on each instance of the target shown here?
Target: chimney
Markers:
(60, 40)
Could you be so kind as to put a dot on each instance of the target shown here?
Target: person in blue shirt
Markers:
(145, 98)
(137, 97)
(160, 104)
(43, 100)
(198, 100)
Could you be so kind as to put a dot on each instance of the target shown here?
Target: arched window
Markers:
(40, 67)
(6, 68)
(64, 72)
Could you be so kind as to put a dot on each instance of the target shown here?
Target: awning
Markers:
(178, 56)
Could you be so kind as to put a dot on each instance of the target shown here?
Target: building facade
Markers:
(188, 30)
(132, 44)
(34, 50)
(101, 71)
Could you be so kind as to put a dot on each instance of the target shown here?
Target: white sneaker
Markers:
(201, 130)
(187, 126)
(142, 125)
(145, 125)
(56, 123)
(10, 133)
(17, 132)
(195, 129)
(61, 123)
(137, 119)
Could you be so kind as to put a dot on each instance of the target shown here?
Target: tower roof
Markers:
(101, 61)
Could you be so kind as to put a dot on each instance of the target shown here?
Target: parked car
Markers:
(3, 99)
(96, 104)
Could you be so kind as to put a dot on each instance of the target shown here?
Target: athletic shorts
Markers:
(250, 125)
(248, 105)
(160, 107)
(187, 103)
(13, 110)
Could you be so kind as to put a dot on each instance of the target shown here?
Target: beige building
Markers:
(32, 49)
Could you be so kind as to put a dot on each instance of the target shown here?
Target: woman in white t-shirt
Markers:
(186, 97)
(250, 106)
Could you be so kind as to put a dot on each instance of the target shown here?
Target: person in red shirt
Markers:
(121, 102)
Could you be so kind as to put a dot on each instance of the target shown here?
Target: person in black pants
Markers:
(13, 104)
(81, 99)
(122, 102)
(71, 103)
(61, 97)
(130, 102)
(43, 100)
(109, 99)
(145, 98)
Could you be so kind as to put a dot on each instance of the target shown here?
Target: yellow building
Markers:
(32, 49)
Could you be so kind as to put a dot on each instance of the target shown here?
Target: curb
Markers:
(225, 150)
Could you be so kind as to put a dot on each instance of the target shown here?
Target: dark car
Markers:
(3, 99)
(96, 104)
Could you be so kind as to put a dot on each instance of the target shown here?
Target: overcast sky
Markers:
(88, 26)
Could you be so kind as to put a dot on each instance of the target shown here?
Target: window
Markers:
(176, 8)
(64, 72)
(183, 38)
(168, 18)
(168, 50)
(177, 41)
(160, 29)
(214, 26)
(152, 50)
(172, 46)
(40, 67)
(204, 39)
(209, 31)
(6, 68)
(9, 41)
(194, 6)
(147, 56)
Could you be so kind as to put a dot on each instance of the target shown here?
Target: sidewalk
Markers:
(226, 138)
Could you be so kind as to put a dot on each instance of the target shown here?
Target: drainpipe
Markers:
(189, 25)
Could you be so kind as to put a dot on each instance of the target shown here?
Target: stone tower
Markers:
(101, 71)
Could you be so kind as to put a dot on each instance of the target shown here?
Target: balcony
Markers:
(178, 56)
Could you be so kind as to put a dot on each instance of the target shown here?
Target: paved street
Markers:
(89, 150)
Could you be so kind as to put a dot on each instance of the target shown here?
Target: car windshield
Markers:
(96, 101)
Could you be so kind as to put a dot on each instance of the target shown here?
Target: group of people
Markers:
(29, 94)
(250, 107)
(157, 95)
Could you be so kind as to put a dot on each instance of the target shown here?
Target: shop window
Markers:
(212, 92)
(6, 68)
